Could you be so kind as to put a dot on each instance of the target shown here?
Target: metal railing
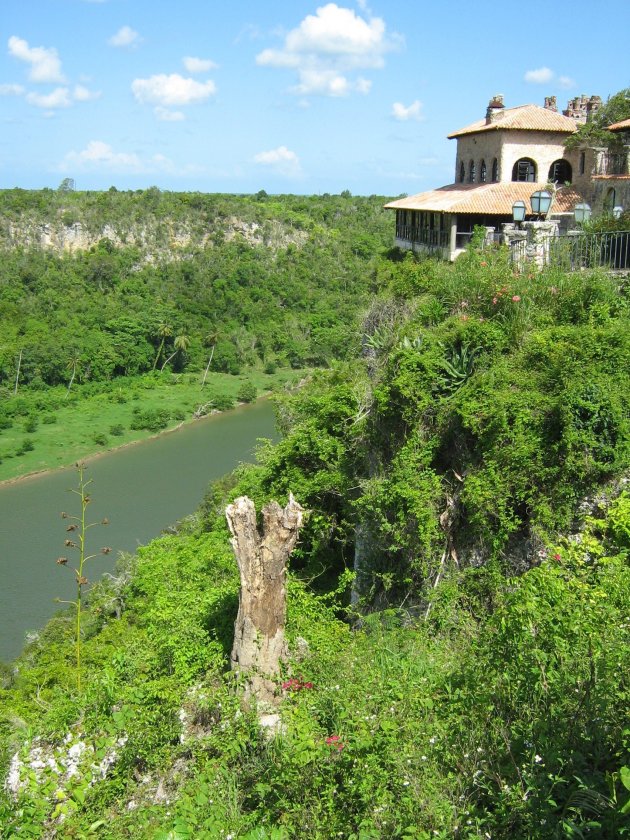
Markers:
(574, 251)
(613, 163)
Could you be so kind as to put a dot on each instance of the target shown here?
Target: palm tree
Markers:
(74, 364)
(164, 331)
(212, 339)
(180, 344)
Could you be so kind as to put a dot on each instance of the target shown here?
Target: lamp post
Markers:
(582, 213)
(541, 202)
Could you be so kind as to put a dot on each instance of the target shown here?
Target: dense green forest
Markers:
(458, 601)
(119, 309)
(162, 289)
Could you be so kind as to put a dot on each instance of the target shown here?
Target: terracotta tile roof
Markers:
(523, 117)
(624, 125)
(490, 199)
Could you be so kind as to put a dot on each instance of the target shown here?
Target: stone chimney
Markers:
(592, 106)
(582, 108)
(551, 103)
(496, 109)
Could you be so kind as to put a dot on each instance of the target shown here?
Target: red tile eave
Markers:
(611, 177)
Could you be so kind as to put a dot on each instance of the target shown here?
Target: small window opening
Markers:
(524, 170)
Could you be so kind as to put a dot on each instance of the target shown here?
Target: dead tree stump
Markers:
(259, 642)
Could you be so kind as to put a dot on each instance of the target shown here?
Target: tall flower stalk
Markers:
(77, 531)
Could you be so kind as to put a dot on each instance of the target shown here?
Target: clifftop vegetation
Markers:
(118, 311)
(458, 601)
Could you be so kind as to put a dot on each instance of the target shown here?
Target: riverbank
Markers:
(140, 490)
(46, 431)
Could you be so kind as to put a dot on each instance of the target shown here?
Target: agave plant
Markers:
(458, 367)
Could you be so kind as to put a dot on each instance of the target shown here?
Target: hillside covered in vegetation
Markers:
(458, 607)
(108, 299)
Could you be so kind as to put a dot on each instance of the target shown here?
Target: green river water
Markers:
(141, 489)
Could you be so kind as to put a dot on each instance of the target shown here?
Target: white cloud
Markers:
(407, 112)
(125, 37)
(329, 83)
(171, 90)
(543, 75)
(283, 160)
(11, 90)
(44, 61)
(540, 76)
(58, 98)
(83, 94)
(98, 154)
(328, 46)
(198, 65)
(168, 116)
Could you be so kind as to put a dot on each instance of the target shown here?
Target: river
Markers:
(141, 489)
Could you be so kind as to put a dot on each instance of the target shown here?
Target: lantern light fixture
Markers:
(541, 202)
(518, 211)
(582, 212)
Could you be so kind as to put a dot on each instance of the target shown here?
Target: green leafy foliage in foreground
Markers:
(485, 408)
(510, 723)
(477, 687)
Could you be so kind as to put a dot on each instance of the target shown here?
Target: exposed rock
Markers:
(157, 237)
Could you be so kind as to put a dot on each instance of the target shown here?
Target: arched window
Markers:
(472, 172)
(610, 200)
(560, 171)
(483, 172)
(495, 171)
(582, 162)
(524, 170)
(462, 172)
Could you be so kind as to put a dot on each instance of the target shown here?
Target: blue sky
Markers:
(294, 97)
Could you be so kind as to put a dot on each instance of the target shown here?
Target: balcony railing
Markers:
(613, 163)
(431, 239)
(575, 251)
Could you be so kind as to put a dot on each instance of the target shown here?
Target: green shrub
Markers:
(27, 446)
(100, 439)
(223, 402)
(117, 430)
(31, 424)
(151, 419)
(247, 392)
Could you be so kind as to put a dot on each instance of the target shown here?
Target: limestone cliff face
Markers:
(152, 235)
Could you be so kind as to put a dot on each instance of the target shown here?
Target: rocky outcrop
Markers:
(157, 236)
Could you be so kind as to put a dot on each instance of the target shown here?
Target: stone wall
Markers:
(543, 147)
(599, 192)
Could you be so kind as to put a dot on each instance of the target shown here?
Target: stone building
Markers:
(610, 182)
(504, 158)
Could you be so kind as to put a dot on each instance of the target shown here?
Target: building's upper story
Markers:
(525, 143)
(504, 158)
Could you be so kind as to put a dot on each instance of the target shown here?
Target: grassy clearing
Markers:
(49, 430)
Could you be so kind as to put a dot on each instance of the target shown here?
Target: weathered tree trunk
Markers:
(259, 642)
